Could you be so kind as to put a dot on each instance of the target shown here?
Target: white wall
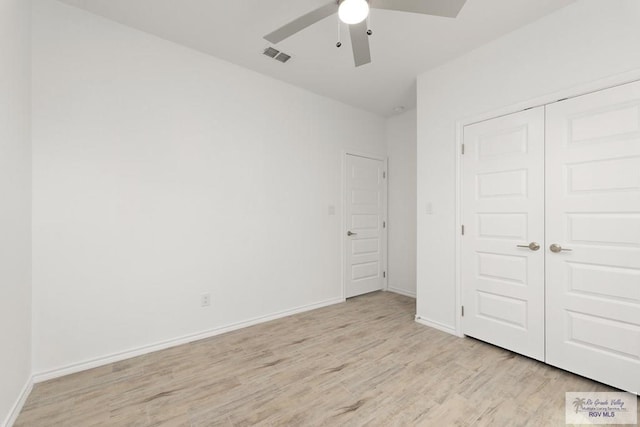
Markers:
(15, 204)
(401, 149)
(160, 174)
(586, 41)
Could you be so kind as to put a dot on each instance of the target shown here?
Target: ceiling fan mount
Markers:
(355, 12)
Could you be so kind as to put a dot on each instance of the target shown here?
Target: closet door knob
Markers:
(532, 246)
(555, 248)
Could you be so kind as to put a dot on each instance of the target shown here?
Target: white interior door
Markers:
(364, 211)
(593, 214)
(503, 213)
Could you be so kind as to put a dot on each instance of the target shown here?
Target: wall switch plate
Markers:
(205, 300)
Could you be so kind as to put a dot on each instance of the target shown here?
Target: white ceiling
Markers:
(403, 45)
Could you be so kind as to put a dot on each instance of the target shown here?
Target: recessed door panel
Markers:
(364, 197)
(615, 339)
(502, 184)
(502, 225)
(501, 309)
(506, 268)
(506, 142)
(607, 282)
(365, 246)
(365, 270)
(604, 229)
(622, 174)
(607, 123)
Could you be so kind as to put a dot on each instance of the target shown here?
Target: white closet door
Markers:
(593, 215)
(503, 213)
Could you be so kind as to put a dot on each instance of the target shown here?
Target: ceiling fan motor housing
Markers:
(353, 11)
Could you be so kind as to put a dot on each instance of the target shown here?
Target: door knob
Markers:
(555, 248)
(533, 246)
(349, 233)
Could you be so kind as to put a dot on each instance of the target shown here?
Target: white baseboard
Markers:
(401, 292)
(437, 325)
(117, 357)
(17, 407)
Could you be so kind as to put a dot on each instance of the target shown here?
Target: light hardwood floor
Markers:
(365, 362)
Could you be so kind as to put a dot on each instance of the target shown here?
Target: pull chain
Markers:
(339, 34)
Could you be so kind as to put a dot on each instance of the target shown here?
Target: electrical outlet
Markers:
(205, 300)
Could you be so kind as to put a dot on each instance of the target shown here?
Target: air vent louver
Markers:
(271, 52)
(283, 57)
(276, 54)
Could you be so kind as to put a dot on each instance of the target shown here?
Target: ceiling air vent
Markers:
(276, 54)
(271, 52)
(283, 57)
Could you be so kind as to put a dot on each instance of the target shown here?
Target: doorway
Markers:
(364, 230)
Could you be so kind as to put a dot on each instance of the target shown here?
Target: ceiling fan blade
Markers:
(360, 43)
(446, 8)
(301, 23)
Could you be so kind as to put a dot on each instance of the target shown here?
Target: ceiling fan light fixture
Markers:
(353, 11)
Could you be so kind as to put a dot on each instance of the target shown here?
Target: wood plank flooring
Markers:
(364, 362)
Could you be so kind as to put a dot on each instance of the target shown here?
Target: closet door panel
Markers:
(593, 215)
(503, 207)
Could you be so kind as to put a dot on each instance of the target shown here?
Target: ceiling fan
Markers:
(355, 12)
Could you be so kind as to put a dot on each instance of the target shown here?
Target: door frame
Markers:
(343, 219)
(582, 89)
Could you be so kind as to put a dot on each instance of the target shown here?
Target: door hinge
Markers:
(384, 274)
(384, 224)
(384, 174)
(462, 148)
(463, 311)
(463, 230)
